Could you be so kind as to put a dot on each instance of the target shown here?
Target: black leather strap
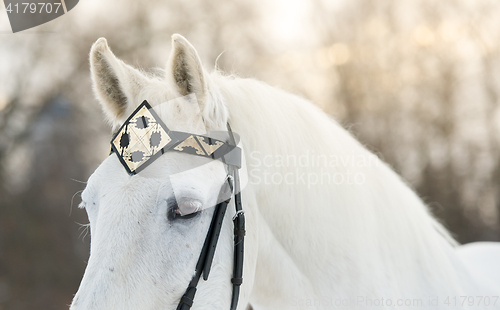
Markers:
(184, 303)
(187, 299)
(239, 238)
(205, 260)
(219, 217)
(239, 233)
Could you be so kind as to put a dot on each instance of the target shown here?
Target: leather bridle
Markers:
(146, 130)
(207, 252)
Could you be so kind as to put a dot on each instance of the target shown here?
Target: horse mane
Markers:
(377, 232)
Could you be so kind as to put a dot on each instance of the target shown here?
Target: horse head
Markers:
(147, 230)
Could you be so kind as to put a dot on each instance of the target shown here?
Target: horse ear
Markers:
(116, 84)
(187, 73)
(185, 68)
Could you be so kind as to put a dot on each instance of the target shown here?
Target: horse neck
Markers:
(363, 235)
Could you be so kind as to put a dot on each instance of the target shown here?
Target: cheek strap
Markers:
(205, 260)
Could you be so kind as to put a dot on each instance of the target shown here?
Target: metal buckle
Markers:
(238, 213)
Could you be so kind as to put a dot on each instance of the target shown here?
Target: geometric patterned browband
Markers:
(144, 137)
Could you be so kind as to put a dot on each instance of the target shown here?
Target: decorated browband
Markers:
(144, 137)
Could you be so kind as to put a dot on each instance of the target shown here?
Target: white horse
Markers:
(328, 225)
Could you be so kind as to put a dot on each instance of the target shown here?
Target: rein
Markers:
(143, 138)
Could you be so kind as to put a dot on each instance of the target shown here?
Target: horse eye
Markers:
(186, 208)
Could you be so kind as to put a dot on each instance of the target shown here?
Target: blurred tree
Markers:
(420, 88)
(416, 81)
